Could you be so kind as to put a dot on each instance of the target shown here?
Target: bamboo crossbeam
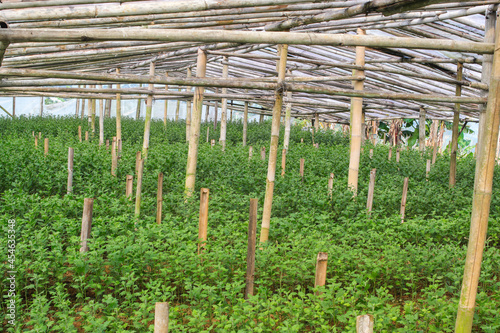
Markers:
(214, 36)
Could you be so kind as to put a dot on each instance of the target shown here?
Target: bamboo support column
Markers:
(273, 151)
(207, 113)
(208, 133)
(245, 123)
(165, 111)
(301, 168)
(140, 172)
(316, 122)
(403, 199)
(161, 317)
(216, 111)
(177, 109)
(46, 146)
(41, 106)
(118, 112)
(159, 198)
(114, 158)
(356, 118)
(147, 120)
(263, 153)
(223, 112)
(250, 152)
(86, 135)
(101, 122)
(321, 263)
(482, 197)
(77, 106)
(92, 113)
(36, 142)
(82, 112)
(427, 169)
(195, 125)
(421, 130)
(188, 111)
(129, 186)
(71, 154)
(107, 107)
(138, 107)
(371, 190)
(288, 110)
(364, 324)
(330, 185)
(261, 119)
(454, 136)
(80, 133)
(203, 223)
(283, 162)
(252, 231)
(88, 205)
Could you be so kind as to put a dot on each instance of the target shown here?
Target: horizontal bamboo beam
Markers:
(254, 37)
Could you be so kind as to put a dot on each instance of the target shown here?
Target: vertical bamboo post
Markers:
(371, 189)
(71, 154)
(165, 110)
(288, 110)
(261, 118)
(137, 162)
(159, 198)
(88, 205)
(80, 133)
(421, 130)
(86, 135)
(301, 140)
(107, 106)
(138, 107)
(301, 170)
(40, 135)
(203, 223)
(207, 114)
(356, 120)
(454, 136)
(245, 123)
(147, 120)
(252, 232)
(216, 110)
(107, 144)
(390, 154)
(371, 153)
(481, 201)
(427, 169)
(92, 113)
(41, 106)
(114, 159)
(140, 172)
(250, 152)
(364, 324)
(397, 155)
(188, 111)
(263, 153)
(161, 317)
(77, 106)
(101, 121)
(118, 112)
(208, 133)
(129, 187)
(273, 150)
(212, 143)
(36, 142)
(316, 122)
(283, 162)
(320, 277)
(177, 109)
(195, 125)
(403, 199)
(82, 112)
(46, 147)
(330, 185)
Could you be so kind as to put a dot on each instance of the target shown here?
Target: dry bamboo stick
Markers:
(114, 159)
(36, 142)
(321, 263)
(118, 111)
(288, 109)
(188, 110)
(129, 186)
(364, 324)
(245, 123)
(301, 168)
(140, 171)
(203, 223)
(252, 232)
(263, 153)
(165, 111)
(273, 150)
(80, 133)
(161, 317)
(371, 189)
(159, 198)
(46, 147)
(177, 109)
(454, 138)
(427, 169)
(208, 133)
(283, 162)
(71, 154)
(421, 130)
(403, 199)
(86, 135)
(88, 205)
(330, 185)
(147, 120)
(223, 119)
(195, 126)
(101, 122)
(250, 152)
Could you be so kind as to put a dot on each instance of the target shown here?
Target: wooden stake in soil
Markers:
(80, 133)
(212, 143)
(301, 170)
(364, 324)
(371, 189)
(188, 111)
(138, 191)
(321, 263)
(283, 162)
(36, 142)
(245, 123)
(86, 135)
(288, 110)
(421, 130)
(454, 136)
(147, 119)
(165, 110)
(223, 113)
(330, 185)
(252, 232)
(71, 154)
(46, 147)
(371, 153)
(263, 153)
(208, 133)
(159, 198)
(114, 159)
(203, 224)
(397, 155)
(88, 205)
(390, 154)
(161, 317)
(137, 162)
(177, 109)
(427, 169)
(250, 152)
(107, 144)
(101, 122)
(129, 187)
(118, 112)
(403, 199)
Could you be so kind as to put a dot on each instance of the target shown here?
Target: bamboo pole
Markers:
(223, 114)
(114, 159)
(195, 125)
(107, 106)
(371, 189)
(283, 162)
(403, 199)
(140, 172)
(435, 143)
(46, 147)
(263, 153)
(36, 142)
(301, 169)
(129, 187)
(252, 232)
(88, 205)
(421, 130)
(273, 150)
(454, 137)
(147, 120)
(161, 317)
(80, 133)
(92, 114)
(41, 106)
(485, 164)
(165, 111)
(107, 144)
(364, 324)
(138, 107)
(188, 110)
(208, 133)
(245, 123)
(321, 263)
(288, 110)
(137, 162)
(216, 111)
(14, 107)
(118, 112)
(82, 113)
(71, 154)
(101, 122)
(177, 109)
(427, 169)
(159, 198)
(397, 155)
(207, 113)
(203, 223)
(330, 185)
(250, 152)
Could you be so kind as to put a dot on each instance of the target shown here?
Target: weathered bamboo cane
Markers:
(273, 151)
(147, 120)
(36, 142)
(403, 199)
(114, 159)
(188, 110)
(86, 135)
(203, 223)
(330, 185)
(397, 155)
(321, 263)
(454, 137)
(283, 162)
(421, 130)
(245, 123)
(177, 109)
(216, 111)
(101, 122)
(161, 317)
(118, 112)
(301, 169)
(107, 144)
(263, 153)
(46, 147)
(138, 107)
(77, 106)
(41, 105)
(223, 114)
(288, 110)
(371, 189)
(389, 156)
(250, 152)
(356, 120)
(252, 232)
(212, 143)
(195, 125)
(364, 324)
(482, 197)
(71, 154)
(427, 169)
(92, 105)
(435, 144)
(370, 153)
(137, 161)
(80, 133)
(129, 186)
(82, 112)
(140, 172)
(165, 110)
(88, 205)
(159, 198)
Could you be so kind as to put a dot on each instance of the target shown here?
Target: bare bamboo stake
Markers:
(427, 169)
(161, 317)
(41, 106)
(138, 107)
(36, 142)
(250, 152)
(252, 232)
(261, 119)
(245, 123)
(39, 135)
(71, 154)
(208, 133)
(77, 106)
(301, 140)
(421, 130)
(188, 111)
(83, 108)
(435, 149)
(288, 111)
(138, 191)
(129, 187)
(454, 137)
(397, 155)
(371, 189)
(165, 111)
(273, 150)
(483, 183)
(107, 144)
(356, 121)
(86, 135)
(330, 185)
(46, 147)
(390, 154)
(216, 111)
(212, 143)
(80, 133)
(114, 159)
(147, 120)
(107, 105)
(177, 109)
(283, 162)
(137, 162)
(207, 113)
(118, 113)
(88, 205)
(159, 198)
(321, 263)
(203, 224)
(92, 114)
(101, 122)
(301, 171)
(403, 199)
(371, 153)
(364, 324)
